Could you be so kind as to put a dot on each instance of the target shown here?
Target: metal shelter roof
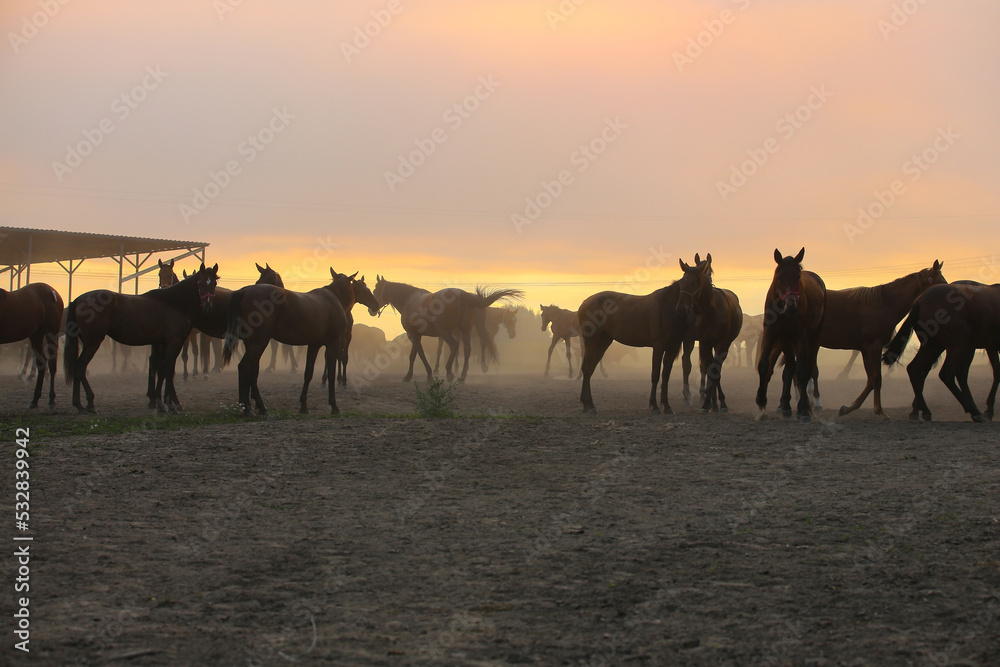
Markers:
(39, 246)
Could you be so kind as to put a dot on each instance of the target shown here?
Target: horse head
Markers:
(167, 275)
(786, 287)
(379, 294)
(546, 315)
(363, 295)
(206, 280)
(510, 321)
(269, 276)
(696, 282)
(931, 276)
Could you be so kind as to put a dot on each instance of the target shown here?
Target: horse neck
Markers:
(898, 295)
(177, 295)
(396, 294)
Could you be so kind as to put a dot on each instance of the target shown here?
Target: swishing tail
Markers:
(71, 350)
(898, 343)
(232, 326)
(483, 299)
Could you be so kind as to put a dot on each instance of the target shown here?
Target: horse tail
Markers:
(484, 298)
(232, 326)
(489, 346)
(71, 349)
(898, 343)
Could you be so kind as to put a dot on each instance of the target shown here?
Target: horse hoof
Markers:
(704, 411)
(761, 416)
(927, 416)
(914, 416)
(33, 406)
(303, 410)
(334, 410)
(724, 410)
(818, 405)
(804, 419)
(591, 410)
(91, 409)
(785, 413)
(407, 378)
(989, 415)
(978, 419)
(843, 411)
(654, 410)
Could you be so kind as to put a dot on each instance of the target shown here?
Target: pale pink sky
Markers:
(671, 120)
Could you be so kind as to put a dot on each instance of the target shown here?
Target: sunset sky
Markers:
(561, 148)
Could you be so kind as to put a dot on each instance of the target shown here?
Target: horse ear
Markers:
(267, 265)
(202, 269)
(352, 275)
(362, 278)
(777, 256)
(802, 253)
(171, 264)
(259, 267)
(708, 258)
(684, 266)
(697, 258)
(215, 269)
(159, 263)
(938, 265)
(333, 274)
(184, 273)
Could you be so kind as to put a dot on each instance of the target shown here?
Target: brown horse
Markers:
(863, 318)
(750, 333)
(493, 318)
(167, 278)
(34, 312)
(260, 313)
(957, 319)
(565, 326)
(717, 322)
(359, 293)
(269, 276)
(659, 320)
(793, 314)
(440, 314)
(161, 317)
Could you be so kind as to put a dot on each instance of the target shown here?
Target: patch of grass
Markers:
(435, 401)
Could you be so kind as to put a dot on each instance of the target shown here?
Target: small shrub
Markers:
(435, 401)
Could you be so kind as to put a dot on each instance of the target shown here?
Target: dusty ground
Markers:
(522, 532)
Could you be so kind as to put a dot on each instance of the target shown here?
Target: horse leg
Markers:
(593, 349)
(990, 400)
(37, 349)
(962, 361)
(437, 359)
(342, 357)
(167, 363)
(467, 339)
(249, 370)
(706, 388)
(274, 357)
(668, 354)
(917, 370)
(787, 376)
(53, 360)
(804, 368)
(686, 368)
(86, 354)
(850, 362)
(311, 353)
(184, 358)
(423, 357)
(154, 364)
(217, 350)
(871, 373)
(947, 376)
(817, 403)
(765, 367)
(548, 360)
(288, 354)
(326, 371)
(413, 355)
(332, 348)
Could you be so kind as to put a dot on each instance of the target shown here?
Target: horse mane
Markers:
(168, 294)
(873, 296)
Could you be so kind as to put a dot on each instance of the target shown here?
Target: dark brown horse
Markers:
(863, 318)
(493, 318)
(718, 319)
(269, 276)
(659, 320)
(440, 314)
(793, 314)
(957, 319)
(34, 312)
(260, 313)
(161, 317)
(168, 277)
(359, 293)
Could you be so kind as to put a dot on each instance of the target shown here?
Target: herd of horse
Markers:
(800, 316)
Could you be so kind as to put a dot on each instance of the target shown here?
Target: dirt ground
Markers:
(521, 532)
